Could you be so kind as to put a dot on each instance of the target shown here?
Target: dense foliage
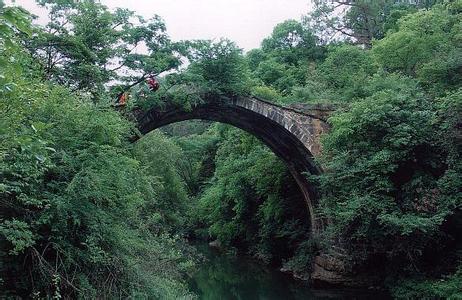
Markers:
(86, 46)
(392, 188)
(86, 213)
(392, 184)
(81, 212)
(264, 215)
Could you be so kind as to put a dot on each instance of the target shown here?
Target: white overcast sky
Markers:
(246, 22)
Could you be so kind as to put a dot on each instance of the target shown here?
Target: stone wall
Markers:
(307, 122)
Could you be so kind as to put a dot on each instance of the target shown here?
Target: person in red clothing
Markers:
(123, 99)
(153, 83)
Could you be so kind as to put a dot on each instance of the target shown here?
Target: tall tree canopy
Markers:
(86, 213)
(87, 47)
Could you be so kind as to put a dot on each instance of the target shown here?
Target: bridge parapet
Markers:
(306, 121)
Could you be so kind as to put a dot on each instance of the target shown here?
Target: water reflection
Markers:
(229, 277)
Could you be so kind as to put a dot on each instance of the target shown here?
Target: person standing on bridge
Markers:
(153, 84)
(122, 100)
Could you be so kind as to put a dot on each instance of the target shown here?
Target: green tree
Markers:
(220, 65)
(290, 42)
(359, 21)
(164, 161)
(75, 204)
(87, 47)
(345, 71)
(277, 75)
(391, 183)
(427, 46)
(251, 202)
(75, 199)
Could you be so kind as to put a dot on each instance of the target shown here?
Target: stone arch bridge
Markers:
(292, 133)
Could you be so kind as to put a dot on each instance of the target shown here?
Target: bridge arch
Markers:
(293, 135)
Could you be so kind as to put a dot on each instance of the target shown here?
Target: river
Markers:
(224, 276)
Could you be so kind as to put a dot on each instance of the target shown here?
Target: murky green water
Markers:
(224, 277)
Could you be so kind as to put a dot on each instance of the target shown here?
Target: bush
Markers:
(73, 211)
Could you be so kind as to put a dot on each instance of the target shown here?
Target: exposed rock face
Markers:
(215, 244)
(337, 269)
(328, 268)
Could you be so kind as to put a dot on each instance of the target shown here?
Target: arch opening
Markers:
(280, 141)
